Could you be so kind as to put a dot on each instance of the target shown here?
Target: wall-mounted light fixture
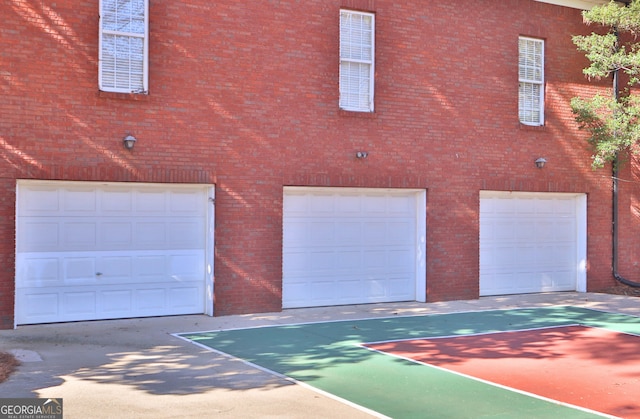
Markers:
(540, 162)
(362, 154)
(129, 141)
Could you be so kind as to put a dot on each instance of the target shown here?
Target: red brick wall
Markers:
(246, 98)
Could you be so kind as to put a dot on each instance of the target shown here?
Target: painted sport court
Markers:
(564, 362)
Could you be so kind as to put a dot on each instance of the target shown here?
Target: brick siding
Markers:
(246, 97)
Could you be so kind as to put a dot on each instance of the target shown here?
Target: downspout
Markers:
(614, 204)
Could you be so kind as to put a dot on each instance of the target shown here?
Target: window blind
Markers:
(123, 45)
(356, 60)
(531, 81)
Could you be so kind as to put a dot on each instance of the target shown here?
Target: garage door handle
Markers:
(98, 273)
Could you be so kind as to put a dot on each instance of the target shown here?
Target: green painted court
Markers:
(331, 357)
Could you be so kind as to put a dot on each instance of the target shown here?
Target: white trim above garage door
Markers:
(532, 242)
(89, 250)
(353, 246)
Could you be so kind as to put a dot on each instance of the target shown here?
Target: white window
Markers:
(356, 61)
(124, 46)
(531, 78)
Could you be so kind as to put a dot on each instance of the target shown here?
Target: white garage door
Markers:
(532, 242)
(353, 246)
(89, 251)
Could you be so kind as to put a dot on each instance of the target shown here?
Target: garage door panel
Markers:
(39, 306)
(150, 234)
(503, 256)
(504, 206)
(78, 304)
(525, 230)
(78, 270)
(564, 229)
(397, 233)
(42, 201)
(321, 233)
(84, 303)
(501, 283)
(348, 233)
(377, 287)
(186, 266)
(115, 268)
(522, 207)
(347, 204)
(348, 246)
(528, 242)
(166, 234)
(323, 290)
(375, 233)
(80, 201)
(400, 207)
(319, 205)
(545, 231)
(188, 298)
(136, 234)
(79, 235)
(116, 302)
(117, 201)
(350, 290)
(107, 268)
(93, 257)
(503, 229)
(150, 265)
(297, 291)
(39, 235)
(548, 282)
(526, 282)
(116, 233)
(559, 207)
(41, 271)
(550, 255)
(374, 205)
(374, 259)
(563, 280)
(150, 203)
(400, 259)
(399, 286)
(185, 203)
(524, 256)
(185, 235)
(296, 203)
(297, 234)
(151, 299)
(350, 260)
(321, 262)
(295, 262)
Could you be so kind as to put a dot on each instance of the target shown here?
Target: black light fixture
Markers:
(540, 162)
(129, 141)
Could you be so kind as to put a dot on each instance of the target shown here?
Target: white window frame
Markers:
(531, 81)
(355, 64)
(110, 83)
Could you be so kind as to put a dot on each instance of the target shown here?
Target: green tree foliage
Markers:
(613, 120)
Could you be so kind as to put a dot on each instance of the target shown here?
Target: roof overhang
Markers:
(579, 4)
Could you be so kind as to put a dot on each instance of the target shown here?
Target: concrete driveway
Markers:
(136, 368)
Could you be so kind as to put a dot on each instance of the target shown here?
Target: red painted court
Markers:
(583, 366)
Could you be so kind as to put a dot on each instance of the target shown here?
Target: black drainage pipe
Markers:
(614, 204)
(614, 263)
